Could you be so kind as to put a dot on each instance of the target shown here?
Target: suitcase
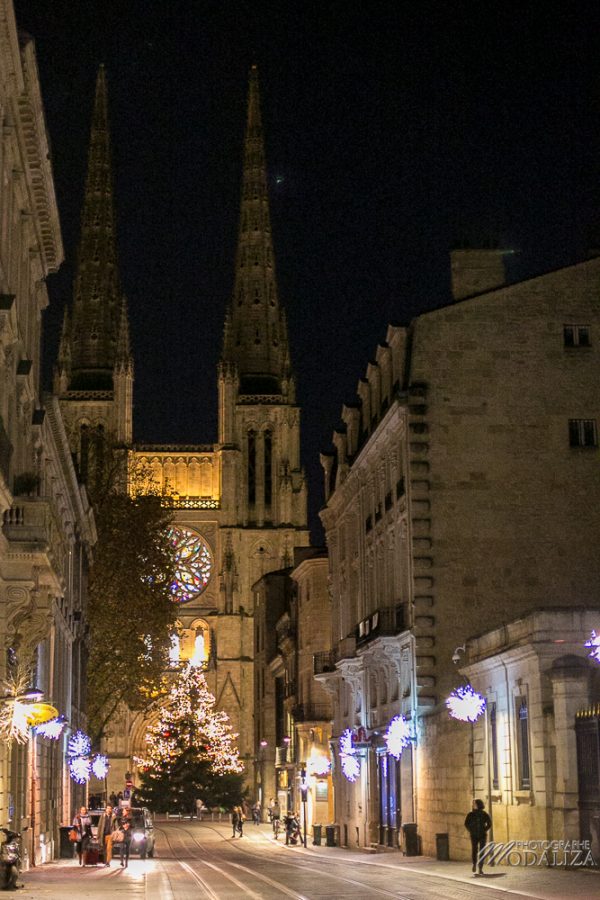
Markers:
(91, 857)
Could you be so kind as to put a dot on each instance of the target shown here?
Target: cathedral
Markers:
(239, 504)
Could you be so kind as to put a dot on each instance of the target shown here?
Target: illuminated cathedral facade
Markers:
(239, 505)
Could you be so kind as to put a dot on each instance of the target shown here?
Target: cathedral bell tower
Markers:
(259, 422)
(93, 377)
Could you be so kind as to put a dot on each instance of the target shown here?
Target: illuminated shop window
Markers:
(194, 565)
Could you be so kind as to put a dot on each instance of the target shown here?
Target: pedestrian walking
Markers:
(125, 827)
(106, 825)
(256, 813)
(241, 820)
(83, 826)
(235, 816)
(478, 823)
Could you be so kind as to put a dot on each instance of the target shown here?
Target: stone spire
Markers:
(255, 337)
(98, 313)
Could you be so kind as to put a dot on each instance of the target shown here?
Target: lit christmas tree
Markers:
(190, 751)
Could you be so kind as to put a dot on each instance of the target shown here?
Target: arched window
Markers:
(84, 451)
(268, 468)
(252, 467)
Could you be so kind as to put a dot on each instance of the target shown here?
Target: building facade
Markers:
(47, 526)
(239, 505)
(472, 460)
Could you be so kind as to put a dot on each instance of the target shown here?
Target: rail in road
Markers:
(201, 861)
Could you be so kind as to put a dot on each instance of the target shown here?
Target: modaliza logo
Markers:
(537, 853)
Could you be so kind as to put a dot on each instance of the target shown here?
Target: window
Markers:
(576, 336)
(523, 743)
(494, 746)
(583, 433)
(268, 468)
(251, 467)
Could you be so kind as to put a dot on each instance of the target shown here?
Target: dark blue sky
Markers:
(392, 132)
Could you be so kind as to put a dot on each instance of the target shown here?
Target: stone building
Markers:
(47, 526)
(293, 712)
(239, 505)
(462, 495)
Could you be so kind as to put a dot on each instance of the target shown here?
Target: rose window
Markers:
(193, 566)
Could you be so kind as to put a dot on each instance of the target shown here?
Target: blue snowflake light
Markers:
(594, 645)
(465, 704)
(79, 745)
(348, 760)
(79, 767)
(100, 766)
(52, 729)
(398, 736)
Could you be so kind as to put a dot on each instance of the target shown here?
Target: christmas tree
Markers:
(190, 751)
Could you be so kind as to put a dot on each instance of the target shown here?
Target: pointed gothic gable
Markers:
(255, 337)
(228, 697)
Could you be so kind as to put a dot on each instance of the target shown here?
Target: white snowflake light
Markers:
(348, 760)
(79, 767)
(594, 644)
(79, 744)
(318, 764)
(100, 766)
(52, 729)
(465, 704)
(398, 736)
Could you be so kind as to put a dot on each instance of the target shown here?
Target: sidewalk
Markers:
(540, 883)
(66, 878)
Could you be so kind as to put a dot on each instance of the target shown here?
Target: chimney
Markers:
(476, 271)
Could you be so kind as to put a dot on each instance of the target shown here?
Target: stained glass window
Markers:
(194, 565)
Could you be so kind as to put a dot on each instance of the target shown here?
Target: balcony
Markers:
(384, 622)
(282, 756)
(346, 648)
(323, 662)
(312, 712)
(29, 522)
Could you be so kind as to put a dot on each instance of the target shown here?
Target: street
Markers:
(196, 860)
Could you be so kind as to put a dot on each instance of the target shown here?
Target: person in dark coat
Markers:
(83, 826)
(478, 823)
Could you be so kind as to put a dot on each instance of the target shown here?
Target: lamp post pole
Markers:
(303, 792)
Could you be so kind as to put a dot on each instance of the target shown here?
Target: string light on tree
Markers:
(465, 704)
(190, 750)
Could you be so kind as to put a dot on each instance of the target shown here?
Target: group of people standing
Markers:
(114, 827)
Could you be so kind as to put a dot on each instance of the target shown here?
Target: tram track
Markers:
(304, 866)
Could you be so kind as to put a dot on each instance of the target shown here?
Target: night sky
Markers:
(393, 132)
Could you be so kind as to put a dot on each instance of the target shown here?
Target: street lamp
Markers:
(304, 797)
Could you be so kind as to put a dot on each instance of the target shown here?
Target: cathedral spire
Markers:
(97, 313)
(255, 338)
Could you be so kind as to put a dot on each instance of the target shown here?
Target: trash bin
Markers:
(66, 846)
(442, 847)
(411, 840)
(317, 835)
(330, 835)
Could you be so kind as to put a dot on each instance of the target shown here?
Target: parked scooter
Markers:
(10, 860)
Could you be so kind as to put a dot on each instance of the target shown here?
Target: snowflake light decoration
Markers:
(318, 764)
(398, 736)
(465, 704)
(79, 767)
(52, 729)
(594, 645)
(193, 566)
(100, 766)
(79, 745)
(348, 760)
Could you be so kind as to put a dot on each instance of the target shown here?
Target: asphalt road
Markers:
(201, 860)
